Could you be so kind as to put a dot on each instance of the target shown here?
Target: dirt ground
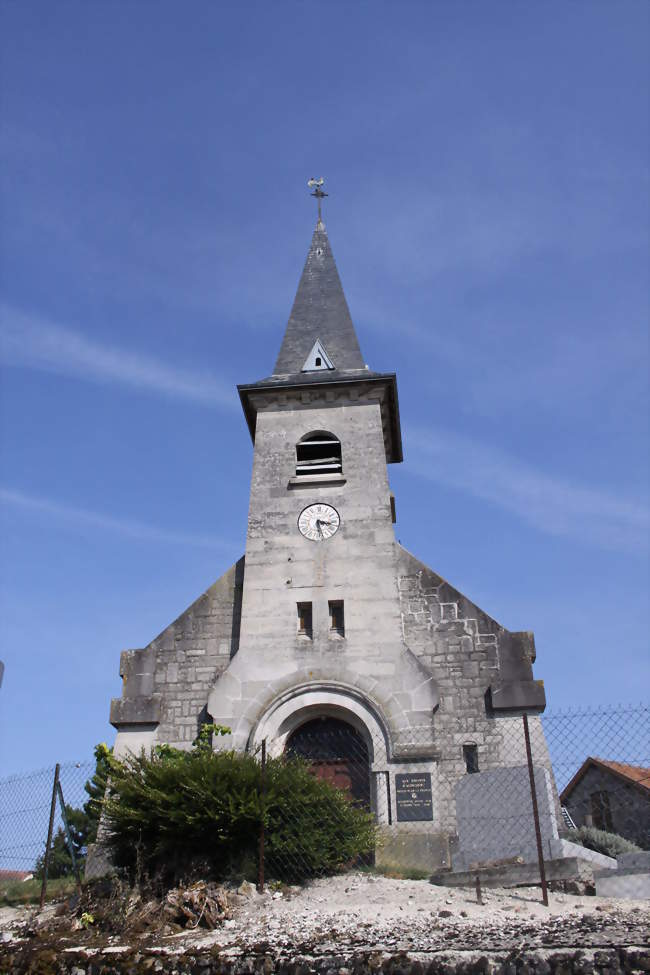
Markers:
(357, 912)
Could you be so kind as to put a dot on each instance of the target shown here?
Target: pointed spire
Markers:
(320, 314)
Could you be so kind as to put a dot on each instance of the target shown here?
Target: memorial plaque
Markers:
(413, 797)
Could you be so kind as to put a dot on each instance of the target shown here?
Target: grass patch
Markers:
(16, 892)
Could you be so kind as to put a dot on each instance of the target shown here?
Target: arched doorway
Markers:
(337, 753)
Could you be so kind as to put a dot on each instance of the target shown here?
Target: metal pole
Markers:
(68, 836)
(479, 894)
(538, 832)
(46, 858)
(260, 866)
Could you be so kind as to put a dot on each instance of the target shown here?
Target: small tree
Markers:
(82, 822)
(96, 789)
(60, 860)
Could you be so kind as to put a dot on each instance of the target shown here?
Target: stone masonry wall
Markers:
(192, 652)
(171, 678)
(628, 806)
(460, 645)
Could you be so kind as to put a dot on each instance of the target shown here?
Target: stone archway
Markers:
(306, 703)
(337, 754)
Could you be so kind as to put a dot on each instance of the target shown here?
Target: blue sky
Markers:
(488, 210)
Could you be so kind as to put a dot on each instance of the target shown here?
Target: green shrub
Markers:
(312, 828)
(611, 844)
(173, 813)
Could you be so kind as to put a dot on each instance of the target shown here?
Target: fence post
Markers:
(68, 835)
(46, 858)
(538, 832)
(260, 866)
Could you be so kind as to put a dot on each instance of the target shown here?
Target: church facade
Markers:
(327, 616)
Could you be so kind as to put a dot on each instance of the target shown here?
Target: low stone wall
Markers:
(124, 961)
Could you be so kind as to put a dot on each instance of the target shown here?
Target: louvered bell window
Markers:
(318, 453)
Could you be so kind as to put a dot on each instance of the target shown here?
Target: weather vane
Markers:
(319, 193)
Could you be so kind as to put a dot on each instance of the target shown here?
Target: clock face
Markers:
(318, 522)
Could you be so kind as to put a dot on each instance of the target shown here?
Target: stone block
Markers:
(518, 874)
(516, 695)
(135, 710)
(629, 878)
(628, 886)
(97, 863)
(565, 848)
(640, 860)
(401, 848)
(495, 815)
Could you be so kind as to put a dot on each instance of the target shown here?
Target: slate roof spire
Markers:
(320, 314)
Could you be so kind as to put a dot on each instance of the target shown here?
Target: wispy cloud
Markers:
(92, 519)
(552, 504)
(29, 341)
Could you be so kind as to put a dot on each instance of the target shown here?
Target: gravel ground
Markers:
(358, 912)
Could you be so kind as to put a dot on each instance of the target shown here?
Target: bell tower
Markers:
(320, 604)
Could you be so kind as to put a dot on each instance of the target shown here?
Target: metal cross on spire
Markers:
(319, 193)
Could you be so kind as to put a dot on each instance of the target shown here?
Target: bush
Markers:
(173, 813)
(611, 844)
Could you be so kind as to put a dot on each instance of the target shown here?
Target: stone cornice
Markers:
(381, 388)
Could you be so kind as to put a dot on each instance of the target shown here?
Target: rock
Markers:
(444, 913)
(246, 889)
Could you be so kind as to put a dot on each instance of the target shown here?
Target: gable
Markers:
(440, 622)
(317, 359)
(633, 775)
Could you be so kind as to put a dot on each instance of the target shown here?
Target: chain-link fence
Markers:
(25, 808)
(560, 799)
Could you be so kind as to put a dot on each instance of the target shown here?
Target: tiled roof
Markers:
(634, 774)
(16, 875)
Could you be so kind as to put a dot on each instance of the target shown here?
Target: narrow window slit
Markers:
(470, 754)
(304, 620)
(337, 618)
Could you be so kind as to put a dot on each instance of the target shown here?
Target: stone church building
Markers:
(326, 616)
